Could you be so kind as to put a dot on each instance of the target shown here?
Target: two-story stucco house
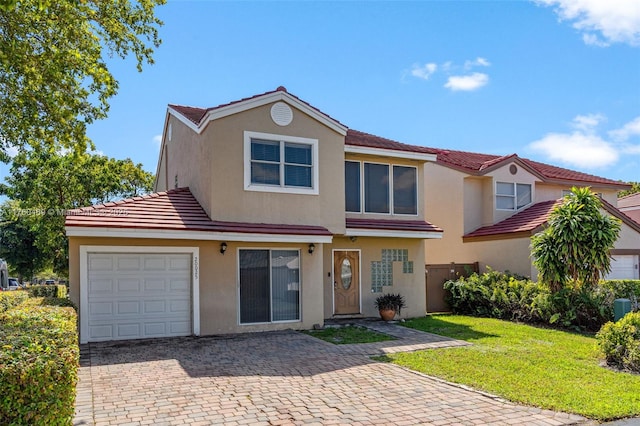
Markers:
(264, 218)
(490, 206)
(269, 214)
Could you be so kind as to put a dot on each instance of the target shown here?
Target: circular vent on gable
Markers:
(513, 169)
(281, 114)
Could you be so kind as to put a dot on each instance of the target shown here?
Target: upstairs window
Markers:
(512, 196)
(386, 189)
(280, 163)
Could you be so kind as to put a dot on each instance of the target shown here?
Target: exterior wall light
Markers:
(223, 247)
(312, 247)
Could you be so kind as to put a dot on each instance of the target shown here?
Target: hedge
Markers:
(10, 299)
(620, 342)
(59, 291)
(39, 360)
(508, 296)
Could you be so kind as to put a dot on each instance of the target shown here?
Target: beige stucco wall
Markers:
(502, 255)
(212, 166)
(549, 191)
(411, 286)
(629, 238)
(219, 281)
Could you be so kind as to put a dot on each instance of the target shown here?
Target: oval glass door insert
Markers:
(346, 274)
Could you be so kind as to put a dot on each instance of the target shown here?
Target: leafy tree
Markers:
(44, 184)
(17, 242)
(53, 74)
(635, 188)
(576, 242)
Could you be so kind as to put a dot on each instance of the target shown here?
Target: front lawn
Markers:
(540, 367)
(349, 334)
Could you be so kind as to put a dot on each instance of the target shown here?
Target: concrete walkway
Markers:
(279, 378)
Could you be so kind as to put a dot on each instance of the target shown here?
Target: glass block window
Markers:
(382, 270)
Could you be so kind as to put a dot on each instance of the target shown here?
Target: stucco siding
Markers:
(410, 285)
(218, 277)
(229, 201)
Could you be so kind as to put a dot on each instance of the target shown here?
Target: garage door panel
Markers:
(155, 284)
(179, 285)
(146, 298)
(130, 330)
(128, 263)
(101, 263)
(98, 285)
(179, 306)
(155, 306)
(155, 263)
(179, 264)
(131, 285)
(128, 307)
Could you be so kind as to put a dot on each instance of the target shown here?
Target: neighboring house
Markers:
(269, 214)
(490, 206)
(264, 219)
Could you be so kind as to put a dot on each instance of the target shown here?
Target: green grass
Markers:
(349, 334)
(540, 367)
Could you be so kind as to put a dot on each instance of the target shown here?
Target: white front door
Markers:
(138, 295)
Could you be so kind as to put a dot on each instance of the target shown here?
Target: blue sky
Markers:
(555, 81)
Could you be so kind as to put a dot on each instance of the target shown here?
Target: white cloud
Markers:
(478, 62)
(425, 71)
(627, 131)
(588, 123)
(467, 82)
(602, 22)
(157, 139)
(577, 149)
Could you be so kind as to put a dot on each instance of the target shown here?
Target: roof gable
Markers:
(198, 118)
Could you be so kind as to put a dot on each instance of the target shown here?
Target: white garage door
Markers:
(624, 267)
(138, 295)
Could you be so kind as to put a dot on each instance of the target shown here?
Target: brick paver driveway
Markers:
(278, 378)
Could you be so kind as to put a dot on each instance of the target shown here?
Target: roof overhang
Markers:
(395, 153)
(387, 233)
(171, 234)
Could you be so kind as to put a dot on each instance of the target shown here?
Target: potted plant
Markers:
(389, 305)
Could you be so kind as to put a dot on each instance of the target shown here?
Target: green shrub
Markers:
(59, 291)
(39, 360)
(10, 299)
(624, 289)
(507, 296)
(620, 342)
(493, 294)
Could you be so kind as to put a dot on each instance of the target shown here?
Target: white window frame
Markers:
(269, 249)
(281, 139)
(514, 196)
(391, 201)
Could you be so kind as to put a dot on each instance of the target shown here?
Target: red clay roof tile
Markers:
(176, 209)
(525, 221)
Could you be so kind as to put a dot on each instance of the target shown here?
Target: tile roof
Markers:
(527, 222)
(477, 163)
(632, 200)
(392, 225)
(196, 114)
(176, 209)
(523, 223)
(470, 162)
